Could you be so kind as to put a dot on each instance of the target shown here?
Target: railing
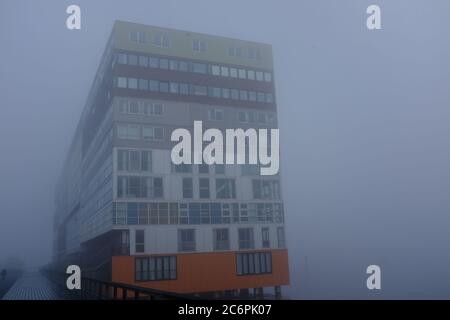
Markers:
(95, 289)
(104, 290)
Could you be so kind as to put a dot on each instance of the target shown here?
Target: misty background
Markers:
(364, 121)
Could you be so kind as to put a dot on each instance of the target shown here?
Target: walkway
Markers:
(34, 286)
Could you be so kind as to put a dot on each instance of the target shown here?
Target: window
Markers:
(161, 40)
(164, 63)
(153, 109)
(254, 53)
(199, 68)
(225, 93)
(158, 190)
(215, 114)
(251, 75)
(233, 73)
(121, 82)
(225, 189)
(122, 58)
(143, 61)
(156, 268)
(269, 98)
(158, 109)
(259, 76)
(128, 131)
(183, 66)
(221, 239)
(132, 83)
(265, 237)
(215, 70)
(267, 77)
(153, 85)
(199, 45)
(152, 133)
(243, 95)
(173, 65)
(224, 71)
(246, 238)
(242, 73)
(143, 84)
(234, 94)
(164, 87)
(234, 51)
(203, 188)
(133, 107)
(135, 160)
(200, 90)
(146, 161)
(153, 62)
(122, 160)
(140, 241)
(262, 117)
(133, 36)
(280, 237)
(253, 263)
(252, 95)
(184, 88)
(242, 116)
(139, 187)
(132, 60)
(174, 87)
(266, 189)
(188, 188)
(215, 92)
(261, 97)
(186, 240)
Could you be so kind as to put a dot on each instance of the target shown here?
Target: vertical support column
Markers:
(277, 292)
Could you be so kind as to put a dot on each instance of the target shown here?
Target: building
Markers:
(125, 213)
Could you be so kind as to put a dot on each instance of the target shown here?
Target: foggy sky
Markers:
(364, 123)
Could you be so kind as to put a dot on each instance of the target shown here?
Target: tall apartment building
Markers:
(125, 213)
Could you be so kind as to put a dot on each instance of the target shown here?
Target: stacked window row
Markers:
(152, 188)
(198, 45)
(187, 241)
(163, 213)
(192, 89)
(137, 132)
(158, 268)
(194, 67)
(140, 161)
(147, 108)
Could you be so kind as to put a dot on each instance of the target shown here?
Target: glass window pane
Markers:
(242, 74)
(173, 65)
(164, 63)
(183, 66)
(259, 76)
(224, 71)
(143, 61)
(132, 83)
(153, 62)
(153, 85)
(215, 70)
(143, 84)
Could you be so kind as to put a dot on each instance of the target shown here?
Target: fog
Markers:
(364, 124)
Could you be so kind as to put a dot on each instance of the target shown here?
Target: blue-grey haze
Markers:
(364, 123)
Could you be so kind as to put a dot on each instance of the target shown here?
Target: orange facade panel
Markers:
(205, 272)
